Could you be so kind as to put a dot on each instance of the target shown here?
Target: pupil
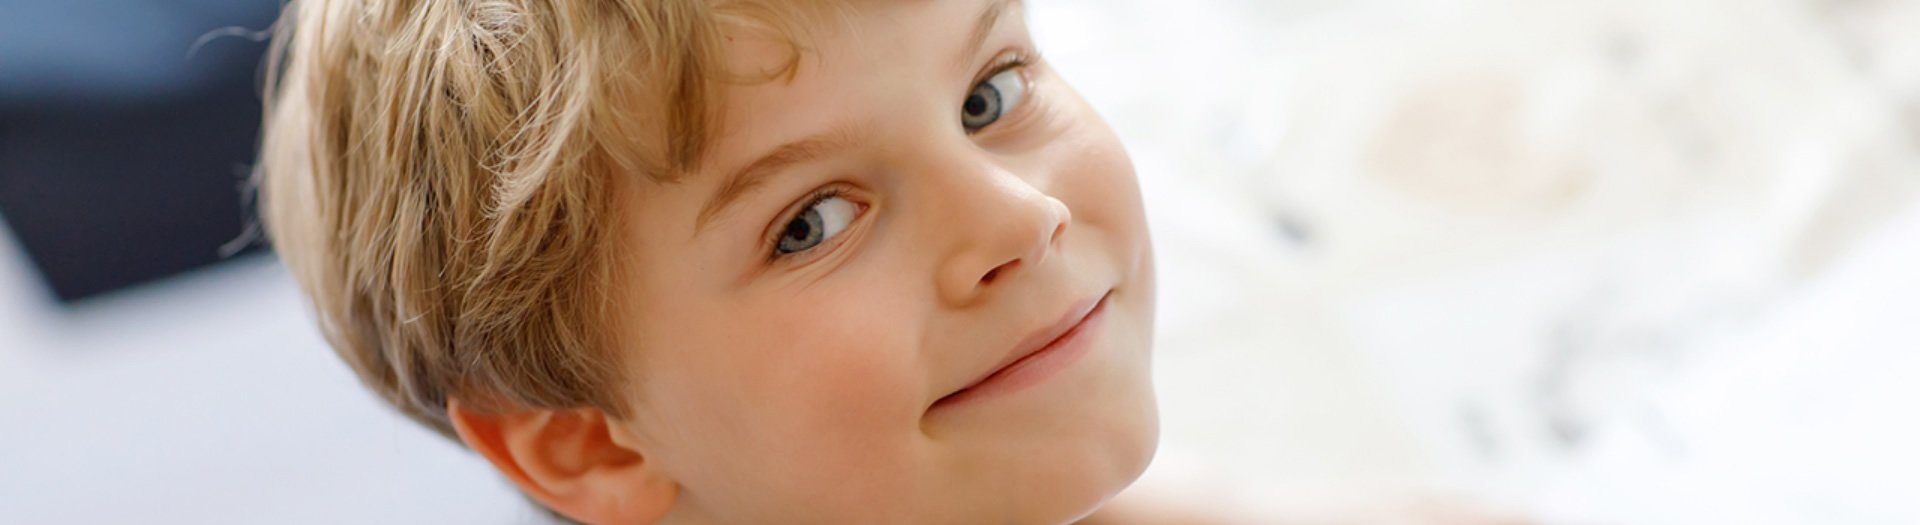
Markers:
(976, 105)
(799, 230)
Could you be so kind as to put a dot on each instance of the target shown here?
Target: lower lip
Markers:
(1038, 367)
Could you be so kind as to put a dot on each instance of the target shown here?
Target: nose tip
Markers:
(1058, 216)
(1012, 240)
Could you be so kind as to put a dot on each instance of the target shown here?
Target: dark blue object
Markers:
(122, 154)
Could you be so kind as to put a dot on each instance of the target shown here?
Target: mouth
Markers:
(1038, 357)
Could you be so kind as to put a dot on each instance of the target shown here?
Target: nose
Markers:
(1000, 225)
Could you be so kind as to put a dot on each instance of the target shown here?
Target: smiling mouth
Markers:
(1042, 356)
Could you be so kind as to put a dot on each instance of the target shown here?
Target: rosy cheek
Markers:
(854, 380)
(856, 396)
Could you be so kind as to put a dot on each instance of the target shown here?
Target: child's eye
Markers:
(827, 216)
(992, 98)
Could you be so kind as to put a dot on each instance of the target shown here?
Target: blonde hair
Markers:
(443, 179)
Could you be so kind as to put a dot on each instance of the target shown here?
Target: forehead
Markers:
(854, 60)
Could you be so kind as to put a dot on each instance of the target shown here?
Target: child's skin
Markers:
(831, 384)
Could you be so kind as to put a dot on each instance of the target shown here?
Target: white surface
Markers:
(1809, 416)
(208, 399)
(1610, 261)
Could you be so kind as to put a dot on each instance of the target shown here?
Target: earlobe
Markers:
(569, 461)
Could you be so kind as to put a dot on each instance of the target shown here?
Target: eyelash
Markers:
(1017, 58)
(772, 240)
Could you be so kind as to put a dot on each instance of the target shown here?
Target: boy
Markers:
(685, 261)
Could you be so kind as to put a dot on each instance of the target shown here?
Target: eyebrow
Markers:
(982, 28)
(751, 177)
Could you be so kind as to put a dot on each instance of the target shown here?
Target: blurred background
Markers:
(1600, 261)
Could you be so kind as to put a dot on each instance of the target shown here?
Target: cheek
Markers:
(1105, 176)
(845, 365)
(1095, 177)
(790, 387)
(799, 403)
(1097, 181)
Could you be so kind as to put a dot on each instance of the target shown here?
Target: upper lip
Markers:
(1040, 339)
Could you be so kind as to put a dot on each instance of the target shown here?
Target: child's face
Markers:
(916, 215)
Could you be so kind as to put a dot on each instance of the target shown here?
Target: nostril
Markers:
(995, 272)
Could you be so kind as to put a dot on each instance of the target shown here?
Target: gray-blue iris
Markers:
(982, 107)
(804, 232)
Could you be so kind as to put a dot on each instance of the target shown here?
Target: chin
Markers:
(1073, 469)
(1105, 477)
(1119, 445)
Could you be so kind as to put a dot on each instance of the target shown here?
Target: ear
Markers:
(569, 461)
